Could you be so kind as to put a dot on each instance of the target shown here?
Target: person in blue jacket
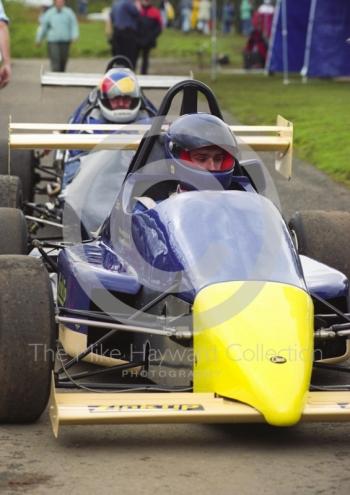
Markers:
(125, 20)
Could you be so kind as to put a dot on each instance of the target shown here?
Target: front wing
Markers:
(69, 408)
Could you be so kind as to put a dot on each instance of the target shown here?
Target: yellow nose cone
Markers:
(253, 342)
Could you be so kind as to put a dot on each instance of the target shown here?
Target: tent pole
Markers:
(285, 42)
(214, 42)
(304, 71)
(272, 37)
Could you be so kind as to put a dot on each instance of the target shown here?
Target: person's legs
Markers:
(115, 43)
(126, 44)
(54, 56)
(130, 47)
(64, 53)
(145, 60)
(226, 27)
(186, 20)
(246, 27)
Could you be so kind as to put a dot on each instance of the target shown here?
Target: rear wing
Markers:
(85, 80)
(277, 138)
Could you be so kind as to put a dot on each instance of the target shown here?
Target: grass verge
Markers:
(318, 109)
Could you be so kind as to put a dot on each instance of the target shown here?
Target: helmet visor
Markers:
(194, 131)
(210, 158)
(120, 102)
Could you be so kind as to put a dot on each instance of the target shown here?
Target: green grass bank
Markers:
(319, 110)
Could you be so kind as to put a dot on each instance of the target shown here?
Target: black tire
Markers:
(11, 195)
(324, 236)
(22, 165)
(27, 338)
(14, 233)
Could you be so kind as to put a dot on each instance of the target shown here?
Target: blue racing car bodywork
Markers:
(201, 292)
(190, 241)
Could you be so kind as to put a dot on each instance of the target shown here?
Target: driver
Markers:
(116, 100)
(200, 143)
(201, 154)
(207, 158)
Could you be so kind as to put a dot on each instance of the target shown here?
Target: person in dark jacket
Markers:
(125, 17)
(254, 54)
(150, 29)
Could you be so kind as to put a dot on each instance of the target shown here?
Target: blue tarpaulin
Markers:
(315, 39)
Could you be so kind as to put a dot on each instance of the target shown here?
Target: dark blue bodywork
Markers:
(190, 240)
(206, 237)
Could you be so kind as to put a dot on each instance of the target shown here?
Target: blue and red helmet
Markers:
(204, 134)
(119, 96)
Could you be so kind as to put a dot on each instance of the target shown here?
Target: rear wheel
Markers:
(324, 236)
(13, 229)
(10, 192)
(22, 164)
(27, 336)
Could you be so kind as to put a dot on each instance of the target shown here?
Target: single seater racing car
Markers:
(201, 305)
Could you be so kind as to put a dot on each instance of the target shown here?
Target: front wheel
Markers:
(13, 229)
(27, 337)
(22, 165)
(11, 194)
